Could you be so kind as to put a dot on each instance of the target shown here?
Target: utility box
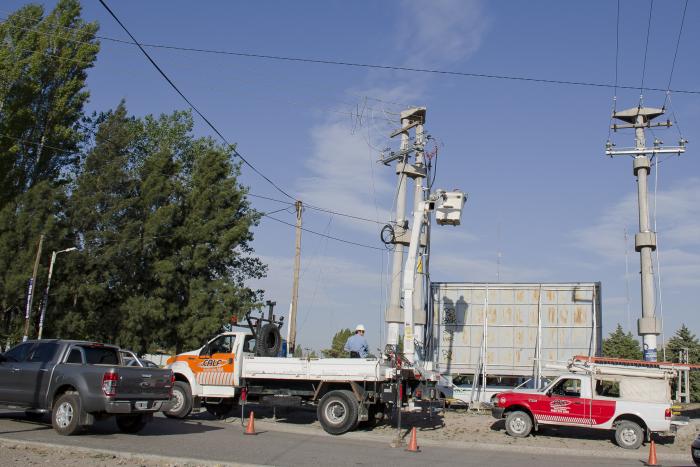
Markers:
(515, 329)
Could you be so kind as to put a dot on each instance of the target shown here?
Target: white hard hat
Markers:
(359, 327)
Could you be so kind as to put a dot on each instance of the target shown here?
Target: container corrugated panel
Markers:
(555, 321)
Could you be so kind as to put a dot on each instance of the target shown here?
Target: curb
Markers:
(640, 454)
(125, 455)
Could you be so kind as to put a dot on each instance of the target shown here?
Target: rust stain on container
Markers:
(519, 337)
(508, 316)
(563, 316)
(580, 315)
(550, 295)
(492, 315)
(552, 314)
(520, 296)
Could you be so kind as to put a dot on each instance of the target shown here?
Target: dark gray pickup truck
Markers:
(80, 382)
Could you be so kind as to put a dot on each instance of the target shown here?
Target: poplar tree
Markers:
(43, 67)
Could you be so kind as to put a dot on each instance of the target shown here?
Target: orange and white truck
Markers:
(346, 391)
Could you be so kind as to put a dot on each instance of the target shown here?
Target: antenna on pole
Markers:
(639, 118)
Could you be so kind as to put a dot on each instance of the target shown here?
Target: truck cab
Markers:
(634, 405)
(210, 375)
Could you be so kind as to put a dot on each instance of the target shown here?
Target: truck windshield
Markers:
(101, 356)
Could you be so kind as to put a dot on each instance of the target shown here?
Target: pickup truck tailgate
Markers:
(143, 383)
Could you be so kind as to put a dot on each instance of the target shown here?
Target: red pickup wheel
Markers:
(629, 435)
(518, 424)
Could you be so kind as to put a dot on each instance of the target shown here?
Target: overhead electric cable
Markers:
(675, 54)
(324, 235)
(646, 48)
(192, 106)
(393, 67)
(317, 208)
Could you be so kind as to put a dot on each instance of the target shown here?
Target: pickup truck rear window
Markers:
(101, 356)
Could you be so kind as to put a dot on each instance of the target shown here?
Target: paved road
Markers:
(213, 440)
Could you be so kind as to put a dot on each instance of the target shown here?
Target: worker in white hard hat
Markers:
(357, 344)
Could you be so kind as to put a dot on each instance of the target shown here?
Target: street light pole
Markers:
(48, 286)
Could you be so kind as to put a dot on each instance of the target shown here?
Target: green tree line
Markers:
(160, 220)
(623, 345)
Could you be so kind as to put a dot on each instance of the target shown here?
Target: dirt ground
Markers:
(462, 425)
(14, 454)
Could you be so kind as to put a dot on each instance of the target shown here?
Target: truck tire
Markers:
(337, 412)
(268, 342)
(629, 435)
(518, 424)
(131, 423)
(182, 396)
(66, 414)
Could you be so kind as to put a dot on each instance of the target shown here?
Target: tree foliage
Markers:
(42, 92)
(44, 62)
(337, 345)
(685, 339)
(165, 230)
(621, 345)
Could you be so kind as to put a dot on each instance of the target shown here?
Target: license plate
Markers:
(141, 405)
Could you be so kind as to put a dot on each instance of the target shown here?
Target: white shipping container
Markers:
(523, 323)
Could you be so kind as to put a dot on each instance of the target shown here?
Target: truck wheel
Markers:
(518, 424)
(65, 416)
(131, 423)
(182, 397)
(629, 435)
(337, 412)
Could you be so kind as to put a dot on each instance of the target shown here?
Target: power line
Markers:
(318, 208)
(646, 48)
(192, 106)
(324, 235)
(391, 67)
(675, 54)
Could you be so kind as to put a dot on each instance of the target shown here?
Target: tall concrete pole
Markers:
(418, 304)
(639, 118)
(645, 243)
(292, 330)
(394, 315)
(32, 286)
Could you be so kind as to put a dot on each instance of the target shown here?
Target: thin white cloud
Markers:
(441, 31)
(678, 224)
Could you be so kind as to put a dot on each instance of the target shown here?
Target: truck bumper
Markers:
(497, 412)
(129, 407)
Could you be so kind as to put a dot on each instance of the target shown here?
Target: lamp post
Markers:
(48, 285)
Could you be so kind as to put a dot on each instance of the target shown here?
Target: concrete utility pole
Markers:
(30, 292)
(292, 330)
(418, 304)
(45, 300)
(410, 118)
(639, 118)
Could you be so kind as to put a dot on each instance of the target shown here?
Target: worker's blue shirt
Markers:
(357, 343)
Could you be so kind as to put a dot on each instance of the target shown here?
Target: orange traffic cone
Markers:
(652, 454)
(250, 429)
(413, 444)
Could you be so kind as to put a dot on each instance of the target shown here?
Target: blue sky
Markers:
(529, 155)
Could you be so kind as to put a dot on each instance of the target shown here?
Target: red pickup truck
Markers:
(633, 406)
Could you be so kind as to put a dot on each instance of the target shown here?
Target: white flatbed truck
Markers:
(346, 391)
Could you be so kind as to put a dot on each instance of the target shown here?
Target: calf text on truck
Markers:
(242, 364)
